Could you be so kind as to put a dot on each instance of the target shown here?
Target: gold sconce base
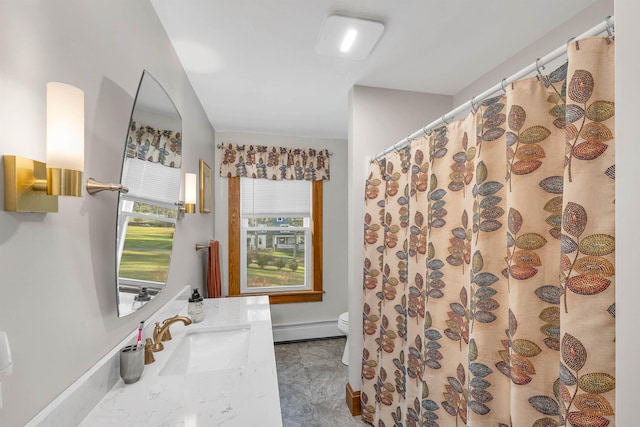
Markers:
(20, 194)
(185, 208)
(64, 182)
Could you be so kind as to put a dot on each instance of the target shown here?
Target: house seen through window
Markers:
(276, 253)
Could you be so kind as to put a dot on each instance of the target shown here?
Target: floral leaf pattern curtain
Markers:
(154, 145)
(275, 163)
(489, 261)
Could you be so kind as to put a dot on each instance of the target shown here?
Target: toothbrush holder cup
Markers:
(131, 363)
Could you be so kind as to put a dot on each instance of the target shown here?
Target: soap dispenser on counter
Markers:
(195, 308)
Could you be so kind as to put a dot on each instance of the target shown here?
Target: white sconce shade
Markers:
(190, 189)
(65, 127)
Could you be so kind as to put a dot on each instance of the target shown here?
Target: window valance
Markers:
(275, 163)
(155, 145)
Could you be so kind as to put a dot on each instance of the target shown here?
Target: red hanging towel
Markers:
(214, 284)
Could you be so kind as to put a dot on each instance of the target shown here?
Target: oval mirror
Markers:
(147, 213)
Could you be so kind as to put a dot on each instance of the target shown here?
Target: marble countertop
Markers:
(243, 397)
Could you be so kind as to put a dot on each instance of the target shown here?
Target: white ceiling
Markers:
(254, 67)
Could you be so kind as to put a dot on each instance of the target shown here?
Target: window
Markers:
(280, 226)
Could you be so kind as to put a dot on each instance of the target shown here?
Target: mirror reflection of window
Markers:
(147, 214)
(146, 241)
(151, 181)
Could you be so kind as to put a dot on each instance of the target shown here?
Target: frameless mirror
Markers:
(147, 213)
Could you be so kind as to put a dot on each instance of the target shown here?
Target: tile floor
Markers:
(312, 379)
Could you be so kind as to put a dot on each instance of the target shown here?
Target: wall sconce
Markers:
(189, 204)
(190, 189)
(33, 186)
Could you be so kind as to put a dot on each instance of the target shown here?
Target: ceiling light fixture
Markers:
(347, 37)
(347, 42)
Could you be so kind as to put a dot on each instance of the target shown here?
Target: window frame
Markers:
(315, 293)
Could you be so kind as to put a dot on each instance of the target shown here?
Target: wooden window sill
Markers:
(287, 297)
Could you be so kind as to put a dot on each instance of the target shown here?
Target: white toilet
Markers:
(343, 326)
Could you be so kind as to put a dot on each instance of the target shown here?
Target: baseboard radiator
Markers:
(305, 331)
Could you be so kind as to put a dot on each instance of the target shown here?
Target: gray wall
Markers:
(311, 314)
(586, 19)
(57, 289)
(627, 206)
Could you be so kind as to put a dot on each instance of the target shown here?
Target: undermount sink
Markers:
(209, 349)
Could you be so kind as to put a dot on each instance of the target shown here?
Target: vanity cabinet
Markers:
(237, 387)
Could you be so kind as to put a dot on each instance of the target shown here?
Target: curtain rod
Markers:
(606, 25)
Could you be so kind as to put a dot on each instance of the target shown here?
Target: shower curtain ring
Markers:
(609, 30)
(503, 80)
(474, 109)
(538, 67)
(443, 118)
(424, 130)
(609, 26)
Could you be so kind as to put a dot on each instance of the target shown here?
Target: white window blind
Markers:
(151, 181)
(268, 198)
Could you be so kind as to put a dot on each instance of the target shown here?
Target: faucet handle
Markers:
(157, 339)
(148, 352)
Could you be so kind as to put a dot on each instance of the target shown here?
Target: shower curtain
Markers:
(489, 261)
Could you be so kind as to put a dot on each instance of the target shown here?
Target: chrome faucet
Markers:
(161, 333)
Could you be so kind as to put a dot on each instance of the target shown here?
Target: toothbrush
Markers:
(140, 327)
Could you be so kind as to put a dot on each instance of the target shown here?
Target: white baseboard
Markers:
(305, 331)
